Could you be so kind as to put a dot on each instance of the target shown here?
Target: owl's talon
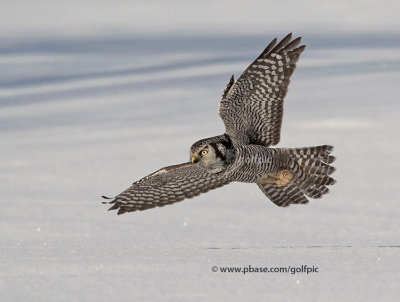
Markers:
(284, 177)
(280, 178)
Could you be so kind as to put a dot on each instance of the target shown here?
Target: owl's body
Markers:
(254, 161)
(251, 109)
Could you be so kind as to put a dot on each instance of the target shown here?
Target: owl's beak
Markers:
(194, 159)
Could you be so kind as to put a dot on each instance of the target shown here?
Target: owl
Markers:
(251, 108)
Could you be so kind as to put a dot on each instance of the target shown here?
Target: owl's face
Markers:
(212, 154)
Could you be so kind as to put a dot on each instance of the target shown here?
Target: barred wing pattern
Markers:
(283, 196)
(252, 107)
(314, 164)
(166, 186)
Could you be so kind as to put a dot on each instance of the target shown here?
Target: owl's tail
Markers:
(307, 174)
(315, 164)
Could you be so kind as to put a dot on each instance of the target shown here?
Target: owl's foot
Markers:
(280, 178)
(283, 177)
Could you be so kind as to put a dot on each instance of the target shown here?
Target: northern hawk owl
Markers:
(251, 108)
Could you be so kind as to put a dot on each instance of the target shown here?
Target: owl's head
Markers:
(213, 154)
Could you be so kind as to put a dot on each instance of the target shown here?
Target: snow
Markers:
(94, 17)
(86, 114)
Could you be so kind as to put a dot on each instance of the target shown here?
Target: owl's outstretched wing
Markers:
(252, 107)
(166, 186)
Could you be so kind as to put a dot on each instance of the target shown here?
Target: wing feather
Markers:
(283, 196)
(166, 186)
(252, 107)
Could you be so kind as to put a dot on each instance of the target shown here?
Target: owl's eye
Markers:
(204, 153)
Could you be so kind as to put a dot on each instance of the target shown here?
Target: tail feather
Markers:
(320, 153)
(322, 180)
(310, 168)
(316, 192)
(315, 166)
(315, 162)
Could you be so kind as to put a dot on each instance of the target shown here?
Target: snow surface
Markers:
(83, 116)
